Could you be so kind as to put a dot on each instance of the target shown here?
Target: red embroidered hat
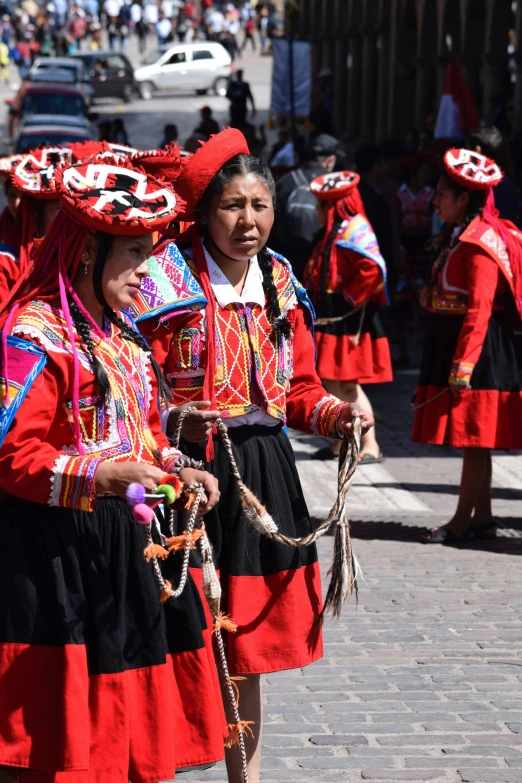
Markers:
(122, 149)
(7, 165)
(202, 167)
(334, 186)
(113, 196)
(83, 150)
(35, 173)
(471, 169)
(166, 163)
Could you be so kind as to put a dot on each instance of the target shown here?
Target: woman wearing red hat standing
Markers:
(470, 387)
(34, 178)
(98, 677)
(232, 328)
(346, 275)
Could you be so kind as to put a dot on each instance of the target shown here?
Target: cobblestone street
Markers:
(422, 681)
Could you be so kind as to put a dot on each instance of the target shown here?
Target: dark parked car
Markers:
(45, 98)
(110, 75)
(35, 136)
(37, 129)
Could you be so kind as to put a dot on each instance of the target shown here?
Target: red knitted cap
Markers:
(334, 186)
(201, 168)
(471, 169)
(114, 196)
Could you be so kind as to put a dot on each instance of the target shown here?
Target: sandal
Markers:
(446, 537)
(369, 459)
(324, 454)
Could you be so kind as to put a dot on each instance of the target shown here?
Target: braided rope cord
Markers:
(199, 493)
(347, 467)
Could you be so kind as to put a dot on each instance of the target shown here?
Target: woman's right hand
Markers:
(197, 424)
(115, 477)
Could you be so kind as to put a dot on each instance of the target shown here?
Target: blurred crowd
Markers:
(61, 27)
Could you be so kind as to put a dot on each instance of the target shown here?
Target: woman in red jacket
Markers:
(470, 387)
(346, 275)
(231, 327)
(100, 681)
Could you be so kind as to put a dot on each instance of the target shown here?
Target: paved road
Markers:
(422, 681)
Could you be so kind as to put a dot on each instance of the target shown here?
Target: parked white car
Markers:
(198, 67)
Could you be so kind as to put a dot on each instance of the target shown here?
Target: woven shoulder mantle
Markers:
(170, 288)
(24, 363)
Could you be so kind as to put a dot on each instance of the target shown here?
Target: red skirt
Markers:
(489, 415)
(100, 682)
(271, 591)
(338, 358)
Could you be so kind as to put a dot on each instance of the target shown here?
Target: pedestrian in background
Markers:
(207, 124)
(297, 226)
(239, 94)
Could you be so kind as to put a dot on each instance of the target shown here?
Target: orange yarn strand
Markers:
(235, 729)
(155, 550)
(176, 543)
(226, 622)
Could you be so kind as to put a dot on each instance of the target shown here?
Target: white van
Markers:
(197, 67)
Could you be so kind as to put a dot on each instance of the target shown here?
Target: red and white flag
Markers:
(458, 112)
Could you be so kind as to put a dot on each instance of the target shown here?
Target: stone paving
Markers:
(422, 680)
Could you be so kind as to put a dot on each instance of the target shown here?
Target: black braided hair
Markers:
(325, 266)
(280, 322)
(84, 330)
(128, 332)
(240, 166)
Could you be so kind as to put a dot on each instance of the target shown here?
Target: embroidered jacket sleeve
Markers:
(309, 407)
(483, 279)
(361, 276)
(30, 467)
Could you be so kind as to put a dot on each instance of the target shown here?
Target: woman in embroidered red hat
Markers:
(98, 677)
(232, 328)
(470, 387)
(346, 275)
(33, 177)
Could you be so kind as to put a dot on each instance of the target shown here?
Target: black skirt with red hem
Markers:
(489, 415)
(272, 591)
(338, 358)
(99, 680)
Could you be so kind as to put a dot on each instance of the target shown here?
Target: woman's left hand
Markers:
(191, 476)
(350, 412)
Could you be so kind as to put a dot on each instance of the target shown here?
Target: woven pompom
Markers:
(168, 493)
(175, 482)
(143, 514)
(135, 494)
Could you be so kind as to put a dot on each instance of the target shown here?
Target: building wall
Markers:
(389, 57)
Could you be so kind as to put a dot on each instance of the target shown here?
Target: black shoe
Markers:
(325, 453)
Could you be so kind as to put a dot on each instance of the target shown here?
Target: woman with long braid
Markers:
(470, 387)
(235, 340)
(346, 277)
(98, 676)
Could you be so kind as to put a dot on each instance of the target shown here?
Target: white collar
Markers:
(225, 293)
